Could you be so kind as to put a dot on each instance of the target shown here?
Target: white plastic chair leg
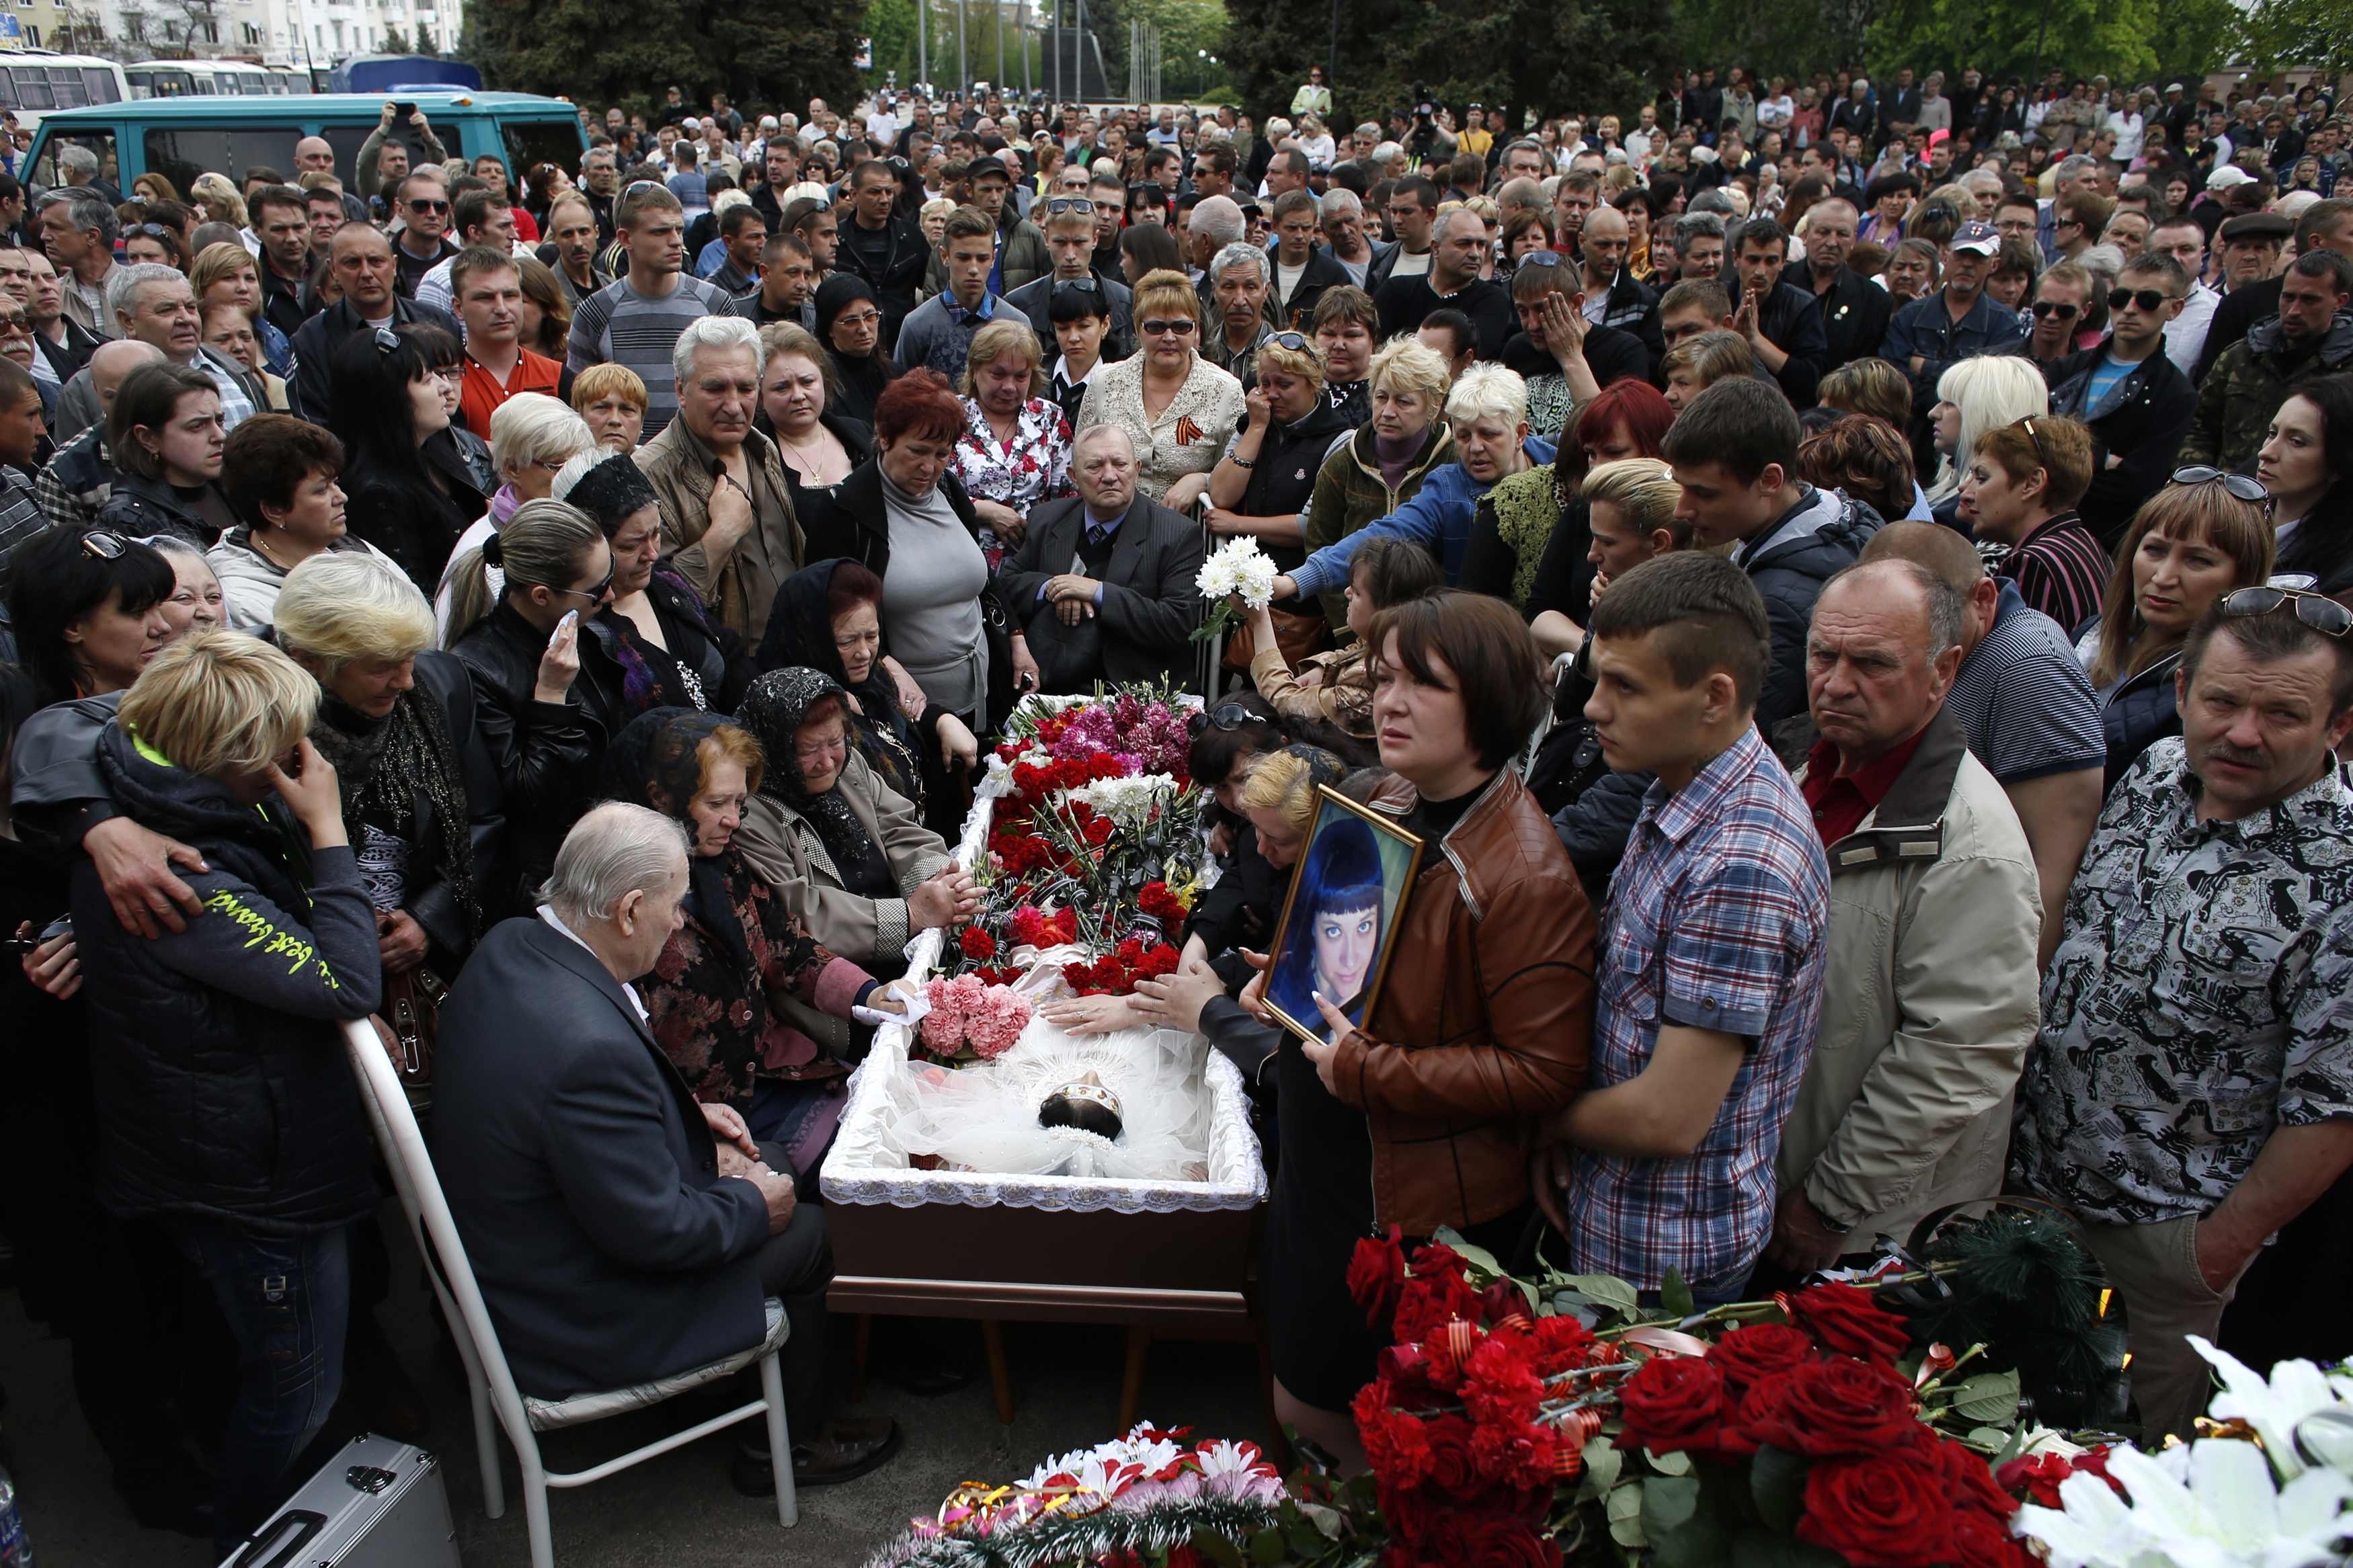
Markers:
(535, 1507)
(486, 1446)
(780, 1441)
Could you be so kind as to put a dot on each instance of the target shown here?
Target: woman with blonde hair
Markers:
(1976, 396)
(217, 199)
(934, 217)
(2204, 534)
(1016, 448)
(613, 399)
(225, 1111)
(820, 445)
(227, 274)
(532, 436)
(1337, 688)
(1179, 409)
(1382, 465)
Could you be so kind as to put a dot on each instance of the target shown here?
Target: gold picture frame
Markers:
(1345, 843)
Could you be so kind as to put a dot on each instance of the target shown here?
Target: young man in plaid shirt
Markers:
(1709, 977)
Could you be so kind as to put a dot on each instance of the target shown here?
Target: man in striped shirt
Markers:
(2021, 489)
(634, 320)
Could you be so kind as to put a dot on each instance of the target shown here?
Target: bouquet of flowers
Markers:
(1238, 569)
(1093, 842)
(970, 1021)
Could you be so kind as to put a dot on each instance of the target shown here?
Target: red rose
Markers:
(978, 944)
(1376, 1275)
(1493, 1542)
(2035, 1479)
(1850, 1322)
(1977, 1541)
(1888, 1511)
(1453, 1470)
(1968, 1481)
(1430, 1301)
(1744, 1355)
(1832, 1407)
(1672, 1403)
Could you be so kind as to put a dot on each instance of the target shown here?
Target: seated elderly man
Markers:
(727, 522)
(2191, 1091)
(622, 1231)
(1102, 586)
(1928, 992)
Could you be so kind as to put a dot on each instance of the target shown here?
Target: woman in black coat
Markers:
(227, 1113)
(549, 696)
(849, 325)
(406, 493)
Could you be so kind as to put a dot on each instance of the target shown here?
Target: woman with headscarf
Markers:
(829, 617)
(838, 843)
(849, 325)
(722, 997)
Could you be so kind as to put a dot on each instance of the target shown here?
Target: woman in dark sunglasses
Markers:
(2203, 535)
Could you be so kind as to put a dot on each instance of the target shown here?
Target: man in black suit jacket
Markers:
(1854, 310)
(621, 1232)
(1102, 586)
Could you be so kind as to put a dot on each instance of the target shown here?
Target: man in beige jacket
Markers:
(1929, 998)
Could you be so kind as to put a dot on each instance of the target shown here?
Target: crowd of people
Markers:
(1853, 576)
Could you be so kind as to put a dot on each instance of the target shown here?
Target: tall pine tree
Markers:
(601, 52)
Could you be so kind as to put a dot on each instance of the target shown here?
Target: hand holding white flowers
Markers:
(1237, 570)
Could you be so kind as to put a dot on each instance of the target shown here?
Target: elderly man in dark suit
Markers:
(622, 1231)
(1102, 586)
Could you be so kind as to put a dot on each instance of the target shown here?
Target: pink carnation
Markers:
(993, 1029)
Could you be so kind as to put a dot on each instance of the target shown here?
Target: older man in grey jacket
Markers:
(1929, 996)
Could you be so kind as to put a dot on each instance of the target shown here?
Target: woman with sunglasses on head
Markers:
(2306, 462)
(407, 494)
(1179, 409)
(548, 690)
(2203, 535)
(88, 611)
(164, 433)
(152, 242)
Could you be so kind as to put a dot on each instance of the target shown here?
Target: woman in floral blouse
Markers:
(714, 999)
(1015, 449)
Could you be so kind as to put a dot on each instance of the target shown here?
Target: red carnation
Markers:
(1376, 1275)
(1098, 831)
(1158, 901)
(1888, 1511)
(1396, 1445)
(1498, 1389)
(1672, 1403)
(1560, 1343)
(1160, 961)
(1828, 1408)
(1850, 1322)
(1519, 1459)
(1744, 1355)
(978, 944)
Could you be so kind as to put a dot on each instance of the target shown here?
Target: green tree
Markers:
(2314, 33)
(1519, 56)
(2087, 37)
(395, 42)
(624, 52)
(891, 24)
(1773, 40)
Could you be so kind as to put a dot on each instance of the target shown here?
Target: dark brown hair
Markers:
(1496, 668)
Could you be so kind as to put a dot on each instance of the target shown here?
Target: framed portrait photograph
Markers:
(1340, 919)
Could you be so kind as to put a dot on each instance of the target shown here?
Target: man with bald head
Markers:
(2024, 704)
(1855, 309)
(1458, 243)
(1930, 985)
(74, 484)
(1613, 296)
(313, 155)
(1101, 585)
(361, 257)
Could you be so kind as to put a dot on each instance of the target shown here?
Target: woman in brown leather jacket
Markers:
(1421, 1118)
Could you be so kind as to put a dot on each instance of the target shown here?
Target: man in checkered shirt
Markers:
(1709, 982)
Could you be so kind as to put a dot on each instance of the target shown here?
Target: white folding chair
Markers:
(488, 1380)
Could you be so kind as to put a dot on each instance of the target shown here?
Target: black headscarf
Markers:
(774, 711)
(863, 377)
(652, 762)
(800, 633)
